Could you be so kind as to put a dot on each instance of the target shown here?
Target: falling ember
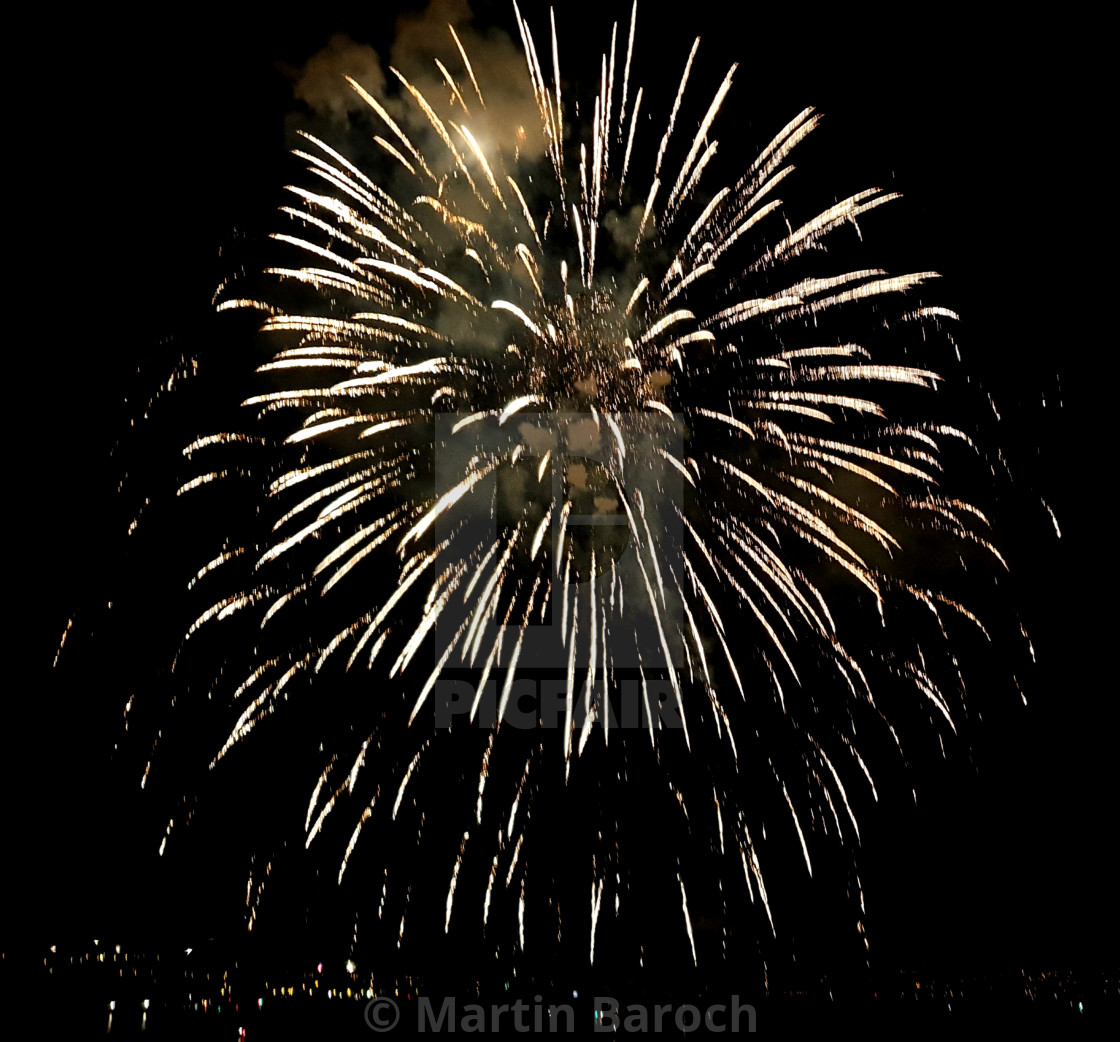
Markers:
(587, 387)
(688, 922)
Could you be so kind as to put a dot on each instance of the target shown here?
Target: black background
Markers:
(156, 143)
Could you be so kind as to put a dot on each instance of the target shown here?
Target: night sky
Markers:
(162, 168)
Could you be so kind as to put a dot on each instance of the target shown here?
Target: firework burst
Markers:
(547, 400)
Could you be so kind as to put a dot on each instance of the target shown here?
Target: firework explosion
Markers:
(548, 401)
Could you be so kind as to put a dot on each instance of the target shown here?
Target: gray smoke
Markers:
(509, 117)
(321, 83)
